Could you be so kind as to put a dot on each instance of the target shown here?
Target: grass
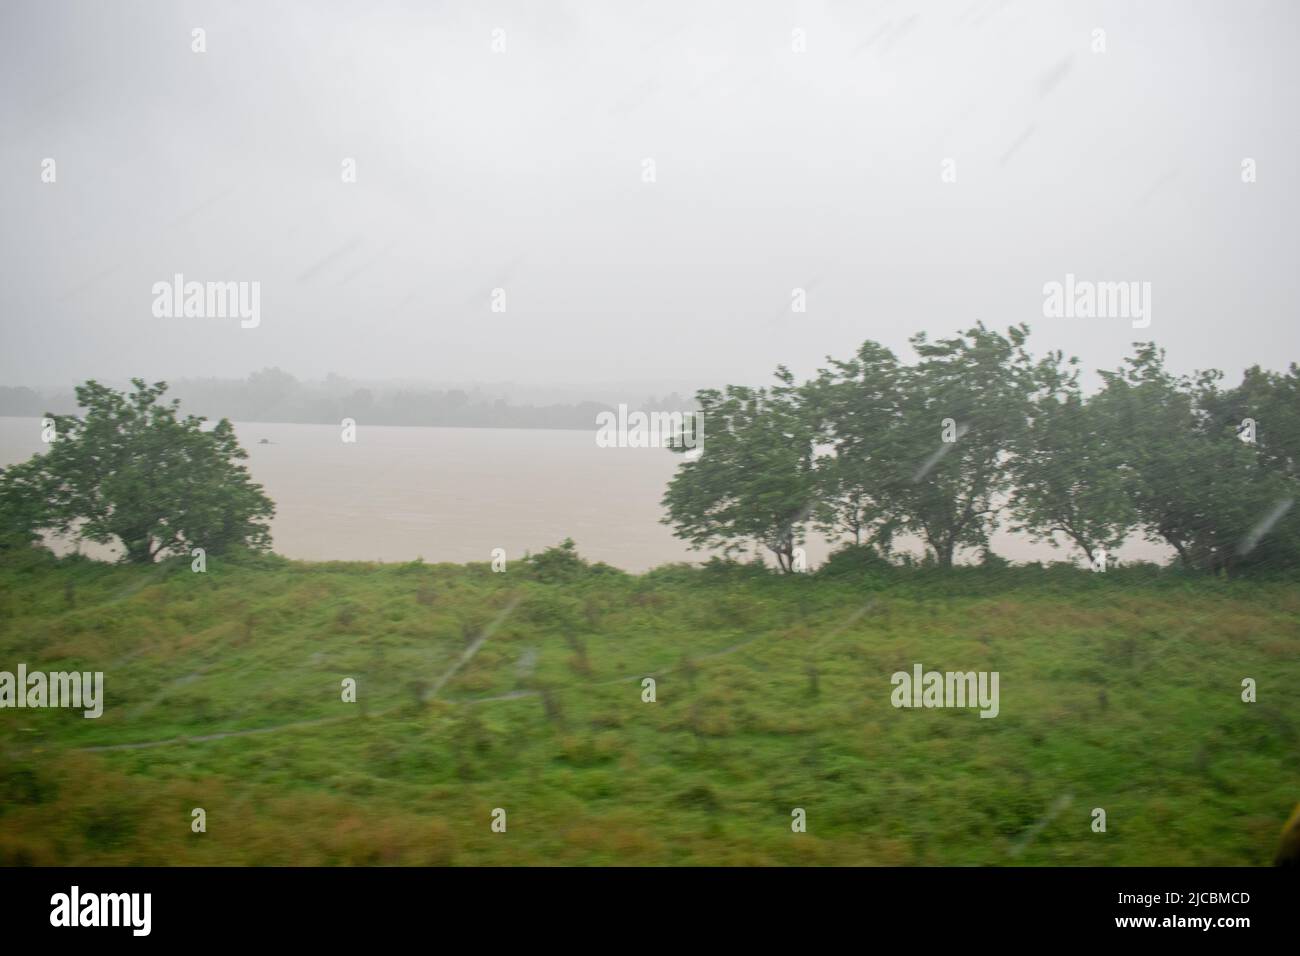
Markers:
(1120, 691)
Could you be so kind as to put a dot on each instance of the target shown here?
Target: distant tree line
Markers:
(977, 433)
(273, 395)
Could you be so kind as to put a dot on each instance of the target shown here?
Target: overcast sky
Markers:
(524, 170)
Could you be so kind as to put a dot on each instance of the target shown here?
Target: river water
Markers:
(455, 494)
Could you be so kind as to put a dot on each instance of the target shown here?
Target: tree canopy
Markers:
(976, 431)
(134, 472)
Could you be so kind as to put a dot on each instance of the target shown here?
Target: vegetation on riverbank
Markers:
(1119, 690)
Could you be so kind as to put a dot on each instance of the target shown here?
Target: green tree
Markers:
(22, 506)
(1192, 482)
(132, 470)
(1271, 403)
(753, 481)
(855, 408)
(1068, 469)
(962, 412)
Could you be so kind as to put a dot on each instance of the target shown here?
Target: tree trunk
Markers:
(784, 555)
(139, 550)
(781, 560)
(943, 551)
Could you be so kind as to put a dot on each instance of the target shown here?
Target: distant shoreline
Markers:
(279, 399)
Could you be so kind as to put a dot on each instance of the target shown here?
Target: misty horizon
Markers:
(907, 171)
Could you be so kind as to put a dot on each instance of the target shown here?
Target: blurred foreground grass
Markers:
(1119, 691)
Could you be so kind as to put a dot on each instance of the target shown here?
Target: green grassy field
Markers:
(1120, 691)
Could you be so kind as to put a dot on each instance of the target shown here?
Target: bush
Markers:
(562, 563)
(732, 569)
(854, 560)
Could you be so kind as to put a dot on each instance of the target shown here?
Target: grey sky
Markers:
(523, 170)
